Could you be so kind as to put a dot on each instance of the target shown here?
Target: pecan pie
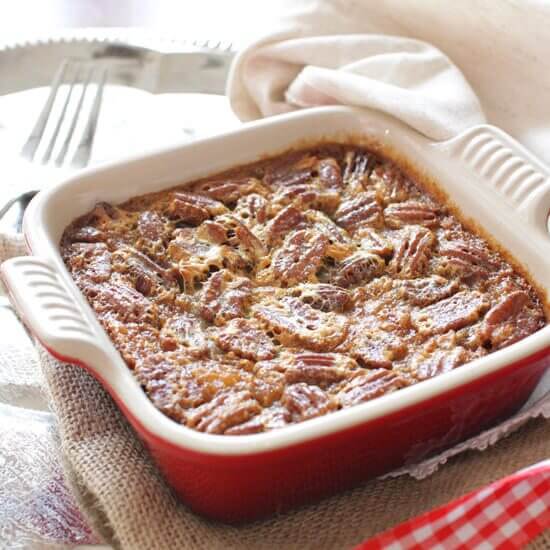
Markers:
(293, 287)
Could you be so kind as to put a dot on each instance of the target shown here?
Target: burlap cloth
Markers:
(128, 504)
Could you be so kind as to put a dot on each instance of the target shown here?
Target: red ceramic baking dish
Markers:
(486, 174)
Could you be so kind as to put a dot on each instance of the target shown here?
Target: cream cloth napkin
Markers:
(406, 78)
(321, 52)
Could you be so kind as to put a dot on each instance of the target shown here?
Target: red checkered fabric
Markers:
(504, 515)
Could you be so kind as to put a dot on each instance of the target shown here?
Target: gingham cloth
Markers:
(504, 515)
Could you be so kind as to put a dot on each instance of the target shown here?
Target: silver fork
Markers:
(51, 126)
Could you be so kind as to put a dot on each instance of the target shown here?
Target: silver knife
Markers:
(170, 66)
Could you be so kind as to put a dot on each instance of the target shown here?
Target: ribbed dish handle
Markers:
(514, 172)
(49, 310)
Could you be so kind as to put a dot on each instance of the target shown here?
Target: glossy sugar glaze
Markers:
(293, 287)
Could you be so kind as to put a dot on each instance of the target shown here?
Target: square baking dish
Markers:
(491, 178)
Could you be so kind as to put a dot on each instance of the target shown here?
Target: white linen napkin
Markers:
(496, 51)
(318, 57)
(406, 78)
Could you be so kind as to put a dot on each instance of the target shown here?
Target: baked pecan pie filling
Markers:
(293, 287)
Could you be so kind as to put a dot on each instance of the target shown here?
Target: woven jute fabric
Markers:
(128, 504)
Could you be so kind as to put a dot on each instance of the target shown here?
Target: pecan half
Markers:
(391, 184)
(357, 166)
(229, 191)
(192, 208)
(456, 312)
(225, 411)
(466, 259)
(290, 173)
(94, 258)
(507, 308)
(325, 226)
(123, 301)
(167, 382)
(288, 219)
(147, 275)
(294, 322)
(373, 383)
(212, 232)
(186, 212)
(411, 212)
(299, 257)
(269, 419)
(304, 401)
(245, 239)
(253, 426)
(320, 369)
(512, 319)
(378, 350)
(412, 255)
(439, 362)
(238, 235)
(359, 268)
(325, 297)
(311, 195)
(362, 210)
(241, 337)
(426, 291)
(224, 297)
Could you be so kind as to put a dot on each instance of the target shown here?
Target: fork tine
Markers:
(53, 139)
(82, 154)
(64, 148)
(29, 149)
